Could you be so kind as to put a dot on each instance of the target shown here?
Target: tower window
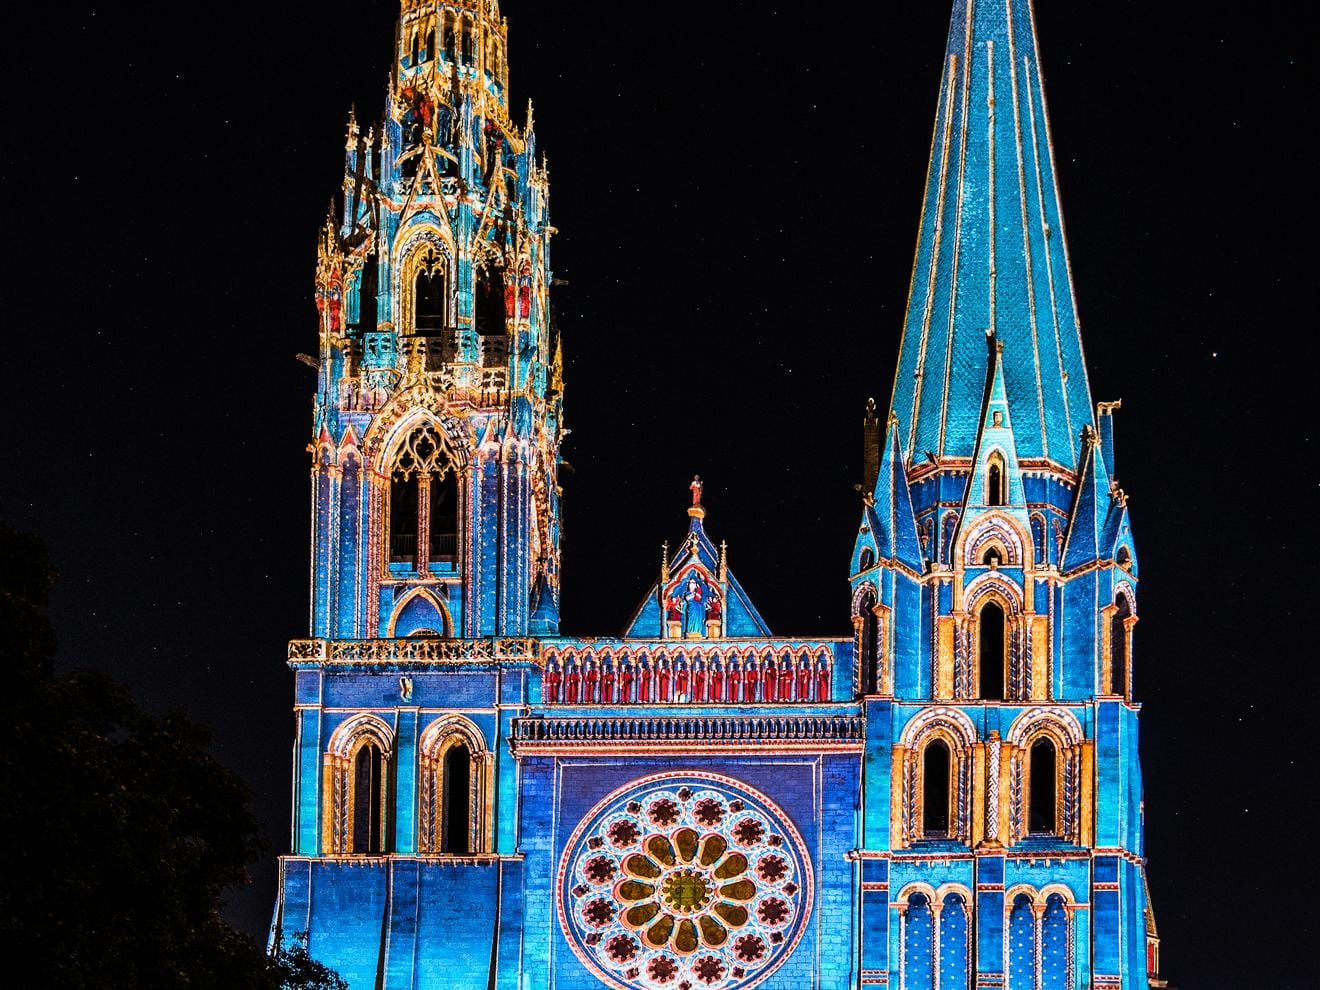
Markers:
(366, 303)
(935, 776)
(444, 517)
(994, 482)
(1041, 819)
(403, 520)
(867, 560)
(1118, 647)
(457, 800)
(869, 646)
(423, 477)
(429, 301)
(467, 41)
(368, 794)
(993, 641)
(490, 300)
(993, 558)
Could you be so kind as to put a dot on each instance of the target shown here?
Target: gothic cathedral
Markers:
(949, 796)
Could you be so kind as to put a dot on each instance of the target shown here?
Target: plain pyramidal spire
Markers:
(991, 256)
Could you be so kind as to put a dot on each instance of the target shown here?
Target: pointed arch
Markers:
(425, 496)
(992, 662)
(868, 640)
(358, 778)
(425, 252)
(996, 479)
(1122, 618)
(420, 612)
(456, 789)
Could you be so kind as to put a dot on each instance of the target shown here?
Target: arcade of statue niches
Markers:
(943, 792)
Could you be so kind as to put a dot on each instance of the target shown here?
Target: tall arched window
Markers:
(1118, 646)
(992, 649)
(1038, 538)
(955, 948)
(429, 300)
(869, 643)
(368, 793)
(466, 42)
(490, 299)
(1042, 815)
(455, 823)
(403, 519)
(424, 476)
(448, 37)
(1055, 957)
(918, 942)
(1021, 944)
(936, 766)
(366, 295)
(994, 481)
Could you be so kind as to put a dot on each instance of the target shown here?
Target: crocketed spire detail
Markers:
(991, 254)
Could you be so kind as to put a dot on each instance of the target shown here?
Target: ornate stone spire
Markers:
(990, 254)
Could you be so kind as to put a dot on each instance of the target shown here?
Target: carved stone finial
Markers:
(664, 562)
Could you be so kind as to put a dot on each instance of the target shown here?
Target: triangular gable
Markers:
(1092, 534)
(696, 597)
(892, 518)
(995, 437)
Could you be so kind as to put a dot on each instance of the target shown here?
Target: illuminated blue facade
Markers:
(948, 795)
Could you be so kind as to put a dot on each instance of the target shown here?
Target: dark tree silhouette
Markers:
(121, 831)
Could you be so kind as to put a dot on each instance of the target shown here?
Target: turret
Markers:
(437, 356)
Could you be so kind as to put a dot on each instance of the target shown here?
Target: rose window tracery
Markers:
(685, 882)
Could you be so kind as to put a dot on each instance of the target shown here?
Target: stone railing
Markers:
(386, 652)
(688, 733)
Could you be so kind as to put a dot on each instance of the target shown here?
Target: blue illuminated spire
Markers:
(991, 255)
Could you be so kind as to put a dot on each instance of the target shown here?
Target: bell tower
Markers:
(438, 410)
(995, 578)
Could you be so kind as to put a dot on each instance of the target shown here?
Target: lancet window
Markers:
(424, 501)
(992, 650)
(935, 938)
(937, 775)
(365, 316)
(994, 481)
(1045, 749)
(490, 312)
(1120, 644)
(455, 790)
(868, 642)
(357, 794)
(1040, 940)
(936, 763)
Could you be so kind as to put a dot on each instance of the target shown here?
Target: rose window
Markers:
(685, 882)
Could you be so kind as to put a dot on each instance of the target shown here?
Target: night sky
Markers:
(737, 189)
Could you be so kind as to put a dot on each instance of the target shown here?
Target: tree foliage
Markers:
(121, 830)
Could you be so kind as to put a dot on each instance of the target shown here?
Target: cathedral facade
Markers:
(946, 795)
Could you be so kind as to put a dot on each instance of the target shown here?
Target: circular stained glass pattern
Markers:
(684, 881)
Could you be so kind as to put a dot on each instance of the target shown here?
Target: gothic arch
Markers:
(456, 789)
(972, 647)
(955, 731)
(358, 775)
(407, 620)
(1117, 622)
(1060, 729)
(869, 648)
(992, 529)
(1060, 723)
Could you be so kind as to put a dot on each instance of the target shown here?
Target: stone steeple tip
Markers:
(991, 259)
